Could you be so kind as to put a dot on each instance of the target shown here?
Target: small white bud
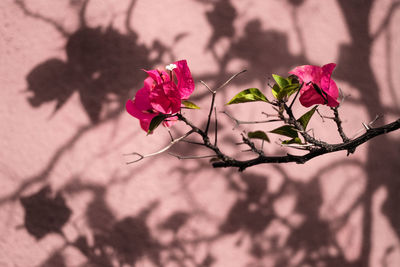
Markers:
(170, 67)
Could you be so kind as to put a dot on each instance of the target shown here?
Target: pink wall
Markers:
(65, 76)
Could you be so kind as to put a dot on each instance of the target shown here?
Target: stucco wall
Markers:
(66, 70)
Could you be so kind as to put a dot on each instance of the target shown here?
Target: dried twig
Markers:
(239, 122)
(159, 151)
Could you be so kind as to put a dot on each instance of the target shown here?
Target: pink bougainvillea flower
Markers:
(162, 93)
(318, 87)
(140, 106)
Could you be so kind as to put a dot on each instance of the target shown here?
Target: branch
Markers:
(206, 140)
(299, 127)
(329, 148)
(338, 122)
(252, 146)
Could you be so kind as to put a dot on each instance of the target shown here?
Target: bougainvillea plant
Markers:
(166, 92)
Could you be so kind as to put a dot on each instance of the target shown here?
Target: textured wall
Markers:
(67, 197)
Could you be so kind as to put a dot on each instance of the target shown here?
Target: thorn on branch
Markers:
(366, 126)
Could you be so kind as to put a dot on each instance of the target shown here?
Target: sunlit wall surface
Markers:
(68, 198)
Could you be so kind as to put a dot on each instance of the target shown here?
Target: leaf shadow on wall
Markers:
(262, 52)
(102, 66)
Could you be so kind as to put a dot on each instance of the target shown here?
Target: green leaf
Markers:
(282, 82)
(190, 105)
(248, 95)
(275, 91)
(296, 140)
(258, 135)
(287, 91)
(283, 87)
(286, 130)
(290, 89)
(155, 122)
(306, 117)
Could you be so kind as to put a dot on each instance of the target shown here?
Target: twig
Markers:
(193, 142)
(213, 97)
(170, 135)
(216, 127)
(191, 157)
(297, 93)
(238, 122)
(320, 115)
(297, 146)
(230, 79)
(209, 89)
(211, 110)
(159, 151)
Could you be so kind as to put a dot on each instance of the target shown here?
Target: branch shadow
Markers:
(104, 62)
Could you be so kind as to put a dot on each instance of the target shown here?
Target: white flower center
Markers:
(170, 67)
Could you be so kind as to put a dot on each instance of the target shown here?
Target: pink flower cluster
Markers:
(162, 93)
(318, 86)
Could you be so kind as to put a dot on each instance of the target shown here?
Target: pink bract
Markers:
(161, 94)
(321, 76)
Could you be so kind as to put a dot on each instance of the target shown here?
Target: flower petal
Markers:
(165, 98)
(308, 73)
(145, 124)
(309, 96)
(132, 109)
(327, 84)
(330, 87)
(141, 99)
(155, 75)
(144, 117)
(328, 69)
(332, 102)
(184, 77)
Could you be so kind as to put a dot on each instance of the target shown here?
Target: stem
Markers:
(299, 127)
(297, 93)
(211, 110)
(216, 127)
(338, 122)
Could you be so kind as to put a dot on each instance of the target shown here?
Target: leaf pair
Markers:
(284, 87)
(286, 130)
